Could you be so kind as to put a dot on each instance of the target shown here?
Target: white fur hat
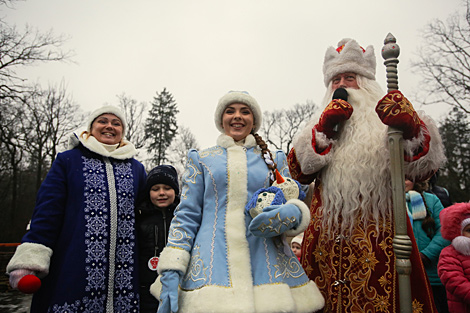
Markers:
(349, 57)
(238, 97)
(107, 109)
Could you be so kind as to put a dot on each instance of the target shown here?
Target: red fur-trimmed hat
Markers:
(452, 218)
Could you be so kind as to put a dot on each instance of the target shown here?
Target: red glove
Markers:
(337, 111)
(396, 111)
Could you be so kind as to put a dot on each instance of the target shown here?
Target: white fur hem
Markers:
(173, 259)
(308, 298)
(305, 217)
(267, 299)
(31, 256)
(309, 160)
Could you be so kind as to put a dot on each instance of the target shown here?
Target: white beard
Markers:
(356, 182)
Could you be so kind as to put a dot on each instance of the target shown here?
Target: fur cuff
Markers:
(173, 259)
(305, 220)
(31, 256)
(430, 161)
(310, 161)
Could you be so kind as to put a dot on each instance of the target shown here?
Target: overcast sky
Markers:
(200, 49)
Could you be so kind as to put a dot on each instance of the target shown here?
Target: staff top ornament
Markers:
(390, 53)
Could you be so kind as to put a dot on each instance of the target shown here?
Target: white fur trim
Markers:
(462, 244)
(238, 97)
(226, 141)
(125, 151)
(31, 256)
(305, 219)
(173, 259)
(281, 298)
(435, 157)
(308, 298)
(238, 251)
(107, 109)
(267, 299)
(350, 59)
(310, 161)
(156, 288)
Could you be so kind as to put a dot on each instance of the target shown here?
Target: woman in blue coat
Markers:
(222, 259)
(82, 240)
(423, 210)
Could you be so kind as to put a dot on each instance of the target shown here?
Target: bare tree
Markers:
(280, 127)
(134, 113)
(50, 116)
(179, 148)
(12, 150)
(24, 48)
(444, 61)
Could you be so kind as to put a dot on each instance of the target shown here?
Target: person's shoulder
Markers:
(207, 152)
(431, 197)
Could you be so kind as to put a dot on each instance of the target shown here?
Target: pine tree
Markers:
(455, 132)
(161, 126)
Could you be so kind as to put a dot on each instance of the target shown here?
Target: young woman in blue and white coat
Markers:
(82, 239)
(218, 258)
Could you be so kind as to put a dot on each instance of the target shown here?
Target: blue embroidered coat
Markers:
(82, 240)
(226, 268)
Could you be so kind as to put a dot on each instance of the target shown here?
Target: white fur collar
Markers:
(126, 151)
(226, 141)
(462, 244)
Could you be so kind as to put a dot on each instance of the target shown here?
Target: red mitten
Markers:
(396, 111)
(29, 284)
(337, 111)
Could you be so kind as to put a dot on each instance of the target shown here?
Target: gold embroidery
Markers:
(189, 177)
(196, 271)
(178, 236)
(275, 223)
(381, 304)
(417, 306)
(287, 266)
(397, 104)
(213, 151)
(191, 172)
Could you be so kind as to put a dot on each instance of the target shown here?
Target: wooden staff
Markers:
(401, 241)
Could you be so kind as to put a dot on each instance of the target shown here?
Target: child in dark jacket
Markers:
(454, 261)
(153, 221)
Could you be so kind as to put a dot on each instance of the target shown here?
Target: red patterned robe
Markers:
(356, 272)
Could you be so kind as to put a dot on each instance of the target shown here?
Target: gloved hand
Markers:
(16, 275)
(396, 111)
(275, 220)
(337, 111)
(169, 296)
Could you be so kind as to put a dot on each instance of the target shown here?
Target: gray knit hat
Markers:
(238, 97)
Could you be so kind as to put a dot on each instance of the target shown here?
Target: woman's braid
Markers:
(264, 149)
